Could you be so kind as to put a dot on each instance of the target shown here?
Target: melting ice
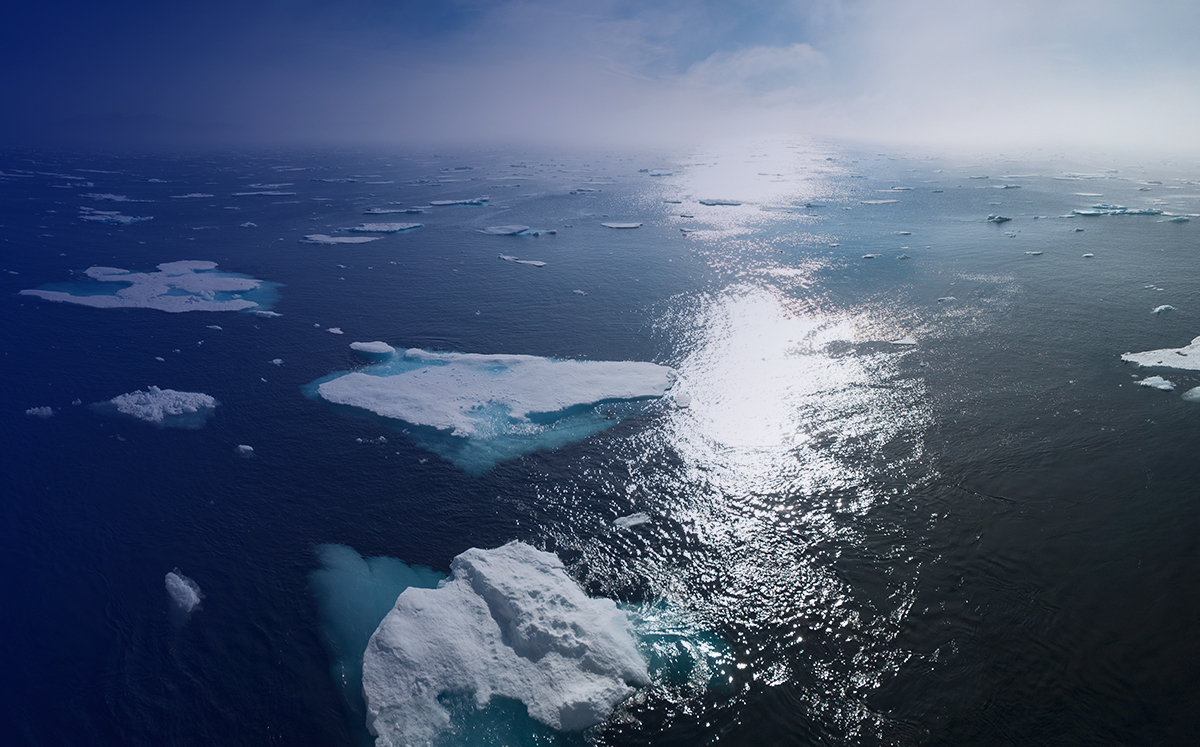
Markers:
(187, 285)
(165, 408)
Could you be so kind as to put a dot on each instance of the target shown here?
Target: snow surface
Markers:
(187, 285)
(509, 622)
(455, 391)
(164, 407)
(1187, 357)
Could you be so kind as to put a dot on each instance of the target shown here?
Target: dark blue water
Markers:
(985, 538)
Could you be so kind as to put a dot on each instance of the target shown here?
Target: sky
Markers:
(970, 73)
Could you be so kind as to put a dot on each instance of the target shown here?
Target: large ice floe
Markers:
(1187, 357)
(508, 650)
(187, 285)
(165, 408)
(477, 410)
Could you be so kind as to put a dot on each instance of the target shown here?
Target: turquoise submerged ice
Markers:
(187, 285)
(477, 410)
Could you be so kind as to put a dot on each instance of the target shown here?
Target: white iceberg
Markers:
(1161, 309)
(477, 410)
(244, 450)
(372, 348)
(1179, 219)
(187, 285)
(165, 408)
(320, 238)
(905, 342)
(335, 331)
(1186, 358)
(384, 227)
(511, 623)
(1157, 382)
(184, 593)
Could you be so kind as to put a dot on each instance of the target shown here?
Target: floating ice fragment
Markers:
(714, 203)
(1157, 382)
(876, 202)
(384, 227)
(509, 622)
(189, 285)
(165, 408)
(264, 193)
(473, 201)
(579, 292)
(1161, 309)
(190, 196)
(1089, 254)
(904, 233)
(110, 216)
(1187, 358)
(40, 412)
(213, 326)
(871, 256)
(621, 225)
(372, 348)
(320, 238)
(1034, 254)
(277, 361)
(185, 594)
(335, 331)
(632, 520)
(904, 256)
(244, 450)
(997, 219)
(510, 258)
(944, 299)
(110, 198)
(266, 314)
(1192, 395)
(905, 341)
(1179, 219)
(387, 211)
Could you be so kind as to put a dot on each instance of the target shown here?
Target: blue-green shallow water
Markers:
(987, 538)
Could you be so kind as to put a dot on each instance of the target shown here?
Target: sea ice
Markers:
(473, 201)
(106, 197)
(876, 202)
(185, 593)
(510, 258)
(190, 196)
(621, 225)
(389, 211)
(110, 216)
(165, 408)
(508, 622)
(335, 331)
(505, 230)
(997, 219)
(265, 193)
(187, 285)
(477, 410)
(372, 348)
(632, 520)
(1179, 219)
(1192, 395)
(40, 412)
(713, 203)
(320, 238)
(1186, 358)
(1157, 382)
(244, 450)
(905, 341)
(385, 227)
(1161, 309)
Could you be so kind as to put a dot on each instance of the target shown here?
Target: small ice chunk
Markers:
(244, 450)
(1192, 395)
(509, 622)
(510, 258)
(473, 201)
(1034, 254)
(384, 227)
(277, 361)
(40, 412)
(632, 520)
(267, 314)
(903, 256)
(514, 230)
(165, 408)
(714, 203)
(372, 348)
(944, 299)
(579, 292)
(621, 225)
(185, 593)
(335, 331)
(320, 238)
(905, 341)
(876, 202)
(1179, 219)
(213, 326)
(1089, 255)
(187, 285)
(1161, 309)
(1157, 382)
(997, 219)
(904, 233)
(191, 195)
(872, 256)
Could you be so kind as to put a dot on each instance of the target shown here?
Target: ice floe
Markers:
(1179, 219)
(473, 201)
(372, 348)
(335, 331)
(165, 408)
(1192, 395)
(997, 219)
(40, 412)
(621, 225)
(107, 197)
(509, 622)
(477, 410)
(905, 341)
(1186, 358)
(714, 203)
(184, 593)
(186, 285)
(1161, 309)
(389, 211)
(632, 520)
(1157, 382)
(510, 258)
(264, 193)
(1107, 209)
(192, 195)
(110, 216)
(384, 227)
(320, 238)
(877, 202)
(244, 450)
(516, 230)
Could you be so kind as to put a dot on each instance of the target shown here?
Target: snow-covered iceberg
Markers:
(477, 410)
(1187, 357)
(187, 285)
(510, 623)
(165, 408)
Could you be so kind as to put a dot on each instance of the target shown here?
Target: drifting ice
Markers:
(509, 622)
(1157, 382)
(372, 348)
(1161, 309)
(185, 593)
(384, 227)
(320, 238)
(187, 285)
(1186, 358)
(621, 225)
(166, 408)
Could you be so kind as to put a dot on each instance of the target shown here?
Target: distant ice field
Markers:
(858, 464)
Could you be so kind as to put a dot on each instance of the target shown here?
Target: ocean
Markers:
(903, 487)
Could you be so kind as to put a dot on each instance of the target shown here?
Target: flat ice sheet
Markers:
(509, 622)
(187, 285)
(1186, 358)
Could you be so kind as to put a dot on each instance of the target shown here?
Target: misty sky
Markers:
(957, 72)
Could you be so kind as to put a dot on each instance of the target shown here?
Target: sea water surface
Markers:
(904, 486)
